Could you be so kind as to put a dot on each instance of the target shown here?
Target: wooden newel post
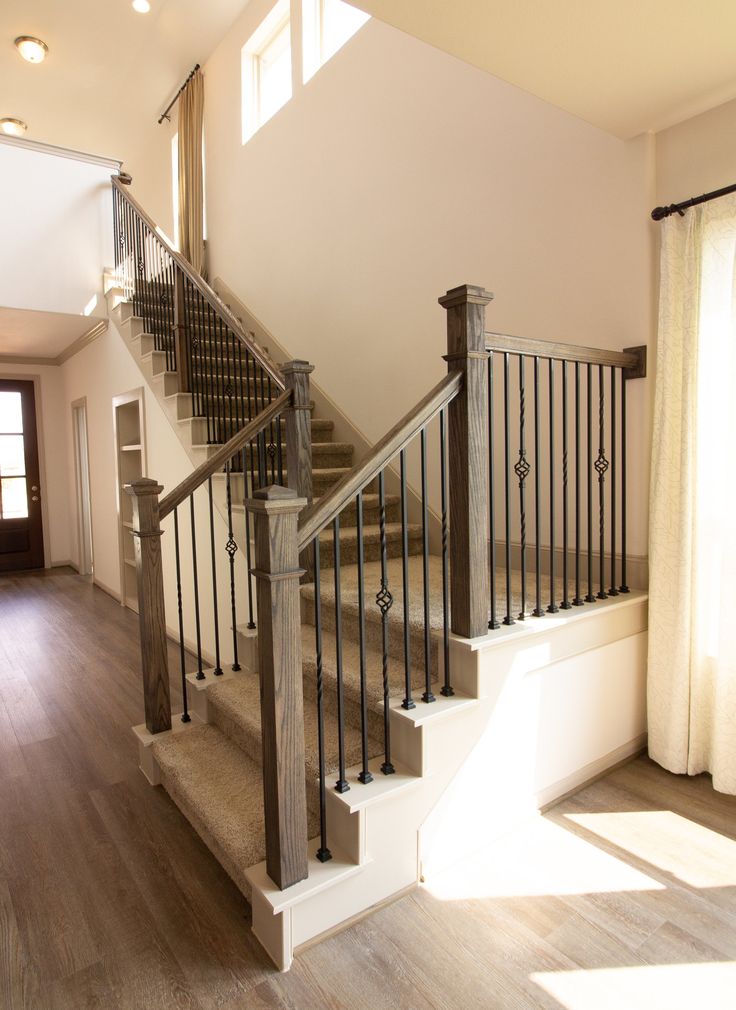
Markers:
(299, 441)
(468, 459)
(151, 609)
(275, 512)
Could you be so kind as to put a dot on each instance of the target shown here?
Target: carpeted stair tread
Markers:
(235, 709)
(219, 790)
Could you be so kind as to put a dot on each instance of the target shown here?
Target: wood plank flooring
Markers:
(623, 896)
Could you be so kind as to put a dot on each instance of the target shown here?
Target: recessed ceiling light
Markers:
(13, 127)
(142, 6)
(32, 50)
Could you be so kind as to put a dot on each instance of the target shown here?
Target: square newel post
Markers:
(151, 608)
(299, 441)
(275, 512)
(468, 458)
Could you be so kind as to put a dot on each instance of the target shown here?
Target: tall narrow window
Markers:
(266, 69)
(175, 186)
(13, 492)
(327, 26)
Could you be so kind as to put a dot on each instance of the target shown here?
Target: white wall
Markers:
(57, 474)
(56, 217)
(398, 172)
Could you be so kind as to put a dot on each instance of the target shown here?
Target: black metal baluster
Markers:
(538, 609)
(589, 598)
(407, 702)
(231, 548)
(232, 398)
(447, 689)
(185, 714)
(200, 671)
(565, 605)
(384, 600)
(601, 465)
(216, 367)
(613, 591)
(428, 695)
(577, 599)
(508, 619)
(364, 776)
(624, 587)
(323, 853)
(341, 785)
(272, 442)
(521, 469)
(552, 608)
(248, 493)
(492, 621)
(263, 441)
(171, 358)
(215, 606)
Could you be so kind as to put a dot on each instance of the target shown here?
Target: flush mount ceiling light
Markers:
(12, 127)
(31, 49)
(142, 6)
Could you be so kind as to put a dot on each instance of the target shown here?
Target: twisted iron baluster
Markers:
(232, 548)
(601, 465)
(384, 600)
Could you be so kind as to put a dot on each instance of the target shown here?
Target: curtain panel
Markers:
(692, 539)
(191, 173)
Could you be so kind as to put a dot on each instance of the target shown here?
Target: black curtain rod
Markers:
(679, 208)
(175, 99)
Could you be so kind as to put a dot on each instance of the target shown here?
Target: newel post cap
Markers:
(465, 294)
(292, 367)
(275, 499)
(144, 486)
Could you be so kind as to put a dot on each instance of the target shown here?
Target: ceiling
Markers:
(40, 334)
(626, 66)
(108, 68)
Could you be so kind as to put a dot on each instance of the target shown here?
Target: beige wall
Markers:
(697, 156)
(398, 172)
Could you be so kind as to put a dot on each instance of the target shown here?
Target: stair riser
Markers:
(373, 630)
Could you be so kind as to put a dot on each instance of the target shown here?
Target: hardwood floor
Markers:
(623, 896)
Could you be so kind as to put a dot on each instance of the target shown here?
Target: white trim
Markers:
(75, 347)
(62, 152)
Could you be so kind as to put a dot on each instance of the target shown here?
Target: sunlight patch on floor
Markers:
(541, 858)
(692, 853)
(710, 986)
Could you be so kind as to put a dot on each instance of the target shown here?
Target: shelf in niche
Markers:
(131, 448)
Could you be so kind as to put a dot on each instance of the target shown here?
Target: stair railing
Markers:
(229, 377)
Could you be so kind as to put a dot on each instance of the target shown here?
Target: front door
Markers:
(21, 530)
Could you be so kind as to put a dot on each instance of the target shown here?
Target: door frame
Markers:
(81, 405)
(40, 441)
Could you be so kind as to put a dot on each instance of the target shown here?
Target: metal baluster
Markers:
(407, 703)
(565, 605)
(272, 442)
(229, 380)
(341, 785)
(552, 608)
(577, 599)
(428, 695)
(492, 621)
(216, 368)
(613, 591)
(231, 548)
(185, 715)
(323, 853)
(589, 598)
(538, 610)
(601, 465)
(521, 469)
(364, 776)
(171, 358)
(248, 493)
(624, 587)
(447, 689)
(200, 671)
(384, 600)
(508, 619)
(215, 607)
(263, 444)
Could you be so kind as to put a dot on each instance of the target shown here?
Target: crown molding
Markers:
(61, 152)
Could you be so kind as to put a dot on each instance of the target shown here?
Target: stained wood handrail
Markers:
(224, 453)
(316, 518)
(561, 352)
(210, 296)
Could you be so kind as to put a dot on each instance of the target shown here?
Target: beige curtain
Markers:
(692, 548)
(191, 181)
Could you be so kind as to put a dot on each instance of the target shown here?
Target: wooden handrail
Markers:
(561, 352)
(210, 296)
(216, 462)
(316, 518)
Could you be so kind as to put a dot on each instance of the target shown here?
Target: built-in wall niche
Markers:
(130, 460)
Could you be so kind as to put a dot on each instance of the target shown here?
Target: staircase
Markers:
(314, 775)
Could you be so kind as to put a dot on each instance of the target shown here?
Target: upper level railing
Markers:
(230, 378)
